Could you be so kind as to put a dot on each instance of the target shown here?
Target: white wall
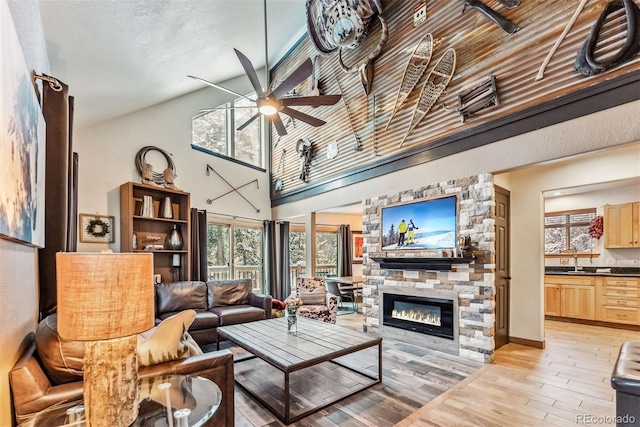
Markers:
(18, 262)
(620, 193)
(107, 153)
(604, 129)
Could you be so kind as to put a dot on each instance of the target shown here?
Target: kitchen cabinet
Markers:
(146, 231)
(619, 299)
(570, 296)
(611, 299)
(551, 299)
(577, 301)
(622, 226)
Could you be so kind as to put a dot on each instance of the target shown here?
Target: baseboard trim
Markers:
(594, 323)
(528, 343)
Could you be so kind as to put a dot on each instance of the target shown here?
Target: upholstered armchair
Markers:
(317, 303)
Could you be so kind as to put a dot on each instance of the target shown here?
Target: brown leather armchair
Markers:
(33, 393)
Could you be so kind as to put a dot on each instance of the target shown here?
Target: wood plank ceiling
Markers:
(481, 48)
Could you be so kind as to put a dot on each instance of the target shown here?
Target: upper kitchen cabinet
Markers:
(622, 226)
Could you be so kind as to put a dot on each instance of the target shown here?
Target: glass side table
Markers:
(165, 401)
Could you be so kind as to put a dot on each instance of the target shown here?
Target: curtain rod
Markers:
(262, 220)
(326, 225)
(234, 216)
(53, 83)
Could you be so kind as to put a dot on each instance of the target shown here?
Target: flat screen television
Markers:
(420, 225)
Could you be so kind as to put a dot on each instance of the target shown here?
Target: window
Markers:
(326, 254)
(564, 231)
(297, 254)
(234, 251)
(215, 132)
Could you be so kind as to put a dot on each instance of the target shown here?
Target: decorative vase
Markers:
(174, 239)
(167, 208)
(292, 320)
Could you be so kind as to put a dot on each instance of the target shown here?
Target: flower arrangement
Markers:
(292, 303)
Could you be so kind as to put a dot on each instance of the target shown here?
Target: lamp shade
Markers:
(104, 296)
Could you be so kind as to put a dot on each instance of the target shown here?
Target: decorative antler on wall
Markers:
(233, 189)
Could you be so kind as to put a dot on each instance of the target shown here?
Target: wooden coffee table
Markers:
(315, 343)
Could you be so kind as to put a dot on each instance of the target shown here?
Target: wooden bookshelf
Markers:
(153, 230)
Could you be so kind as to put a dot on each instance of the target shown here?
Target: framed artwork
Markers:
(356, 243)
(22, 143)
(97, 228)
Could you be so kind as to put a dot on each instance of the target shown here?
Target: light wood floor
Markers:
(524, 387)
(412, 376)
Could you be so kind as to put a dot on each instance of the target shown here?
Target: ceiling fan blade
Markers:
(314, 101)
(302, 116)
(248, 122)
(232, 92)
(251, 73)
(277, 122)
(301, 73)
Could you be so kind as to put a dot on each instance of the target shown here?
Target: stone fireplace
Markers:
(468, 283)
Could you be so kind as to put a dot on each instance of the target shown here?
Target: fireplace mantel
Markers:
(434, 264)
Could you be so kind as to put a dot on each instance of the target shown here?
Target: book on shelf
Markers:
(147, 207)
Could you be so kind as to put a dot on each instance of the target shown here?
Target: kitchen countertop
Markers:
(591, 271)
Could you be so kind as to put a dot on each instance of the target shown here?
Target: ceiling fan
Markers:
(273, 102)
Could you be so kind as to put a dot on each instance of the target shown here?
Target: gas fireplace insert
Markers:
(432, 316)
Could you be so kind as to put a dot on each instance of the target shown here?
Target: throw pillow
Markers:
(277, 304)
(312, 291)
(168, 341)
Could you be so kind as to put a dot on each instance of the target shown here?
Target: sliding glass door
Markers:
(234, 251)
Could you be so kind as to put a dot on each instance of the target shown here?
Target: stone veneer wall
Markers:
(474, 282)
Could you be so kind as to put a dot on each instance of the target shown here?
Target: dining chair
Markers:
(334, 288)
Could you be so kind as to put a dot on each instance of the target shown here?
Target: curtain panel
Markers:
(270, 257)
(199, 245)
(345, 251)
(60, 204)
(276, 259)
(284, 261)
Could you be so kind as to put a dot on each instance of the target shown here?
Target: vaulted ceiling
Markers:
(119, 56)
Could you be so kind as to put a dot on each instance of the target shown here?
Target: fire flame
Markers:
(417, 316)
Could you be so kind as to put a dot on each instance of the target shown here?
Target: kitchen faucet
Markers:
(575, 260)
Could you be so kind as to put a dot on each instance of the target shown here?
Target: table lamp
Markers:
(105, 300)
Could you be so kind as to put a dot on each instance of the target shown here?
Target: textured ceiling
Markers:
(119, 56)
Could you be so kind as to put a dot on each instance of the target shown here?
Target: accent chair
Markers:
(317, 302)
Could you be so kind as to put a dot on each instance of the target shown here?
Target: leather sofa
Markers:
(217, 303)
(34, 393)
(625, 380)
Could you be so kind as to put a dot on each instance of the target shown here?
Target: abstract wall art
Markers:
(22, 143)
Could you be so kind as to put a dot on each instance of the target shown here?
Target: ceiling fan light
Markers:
(267, 109)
